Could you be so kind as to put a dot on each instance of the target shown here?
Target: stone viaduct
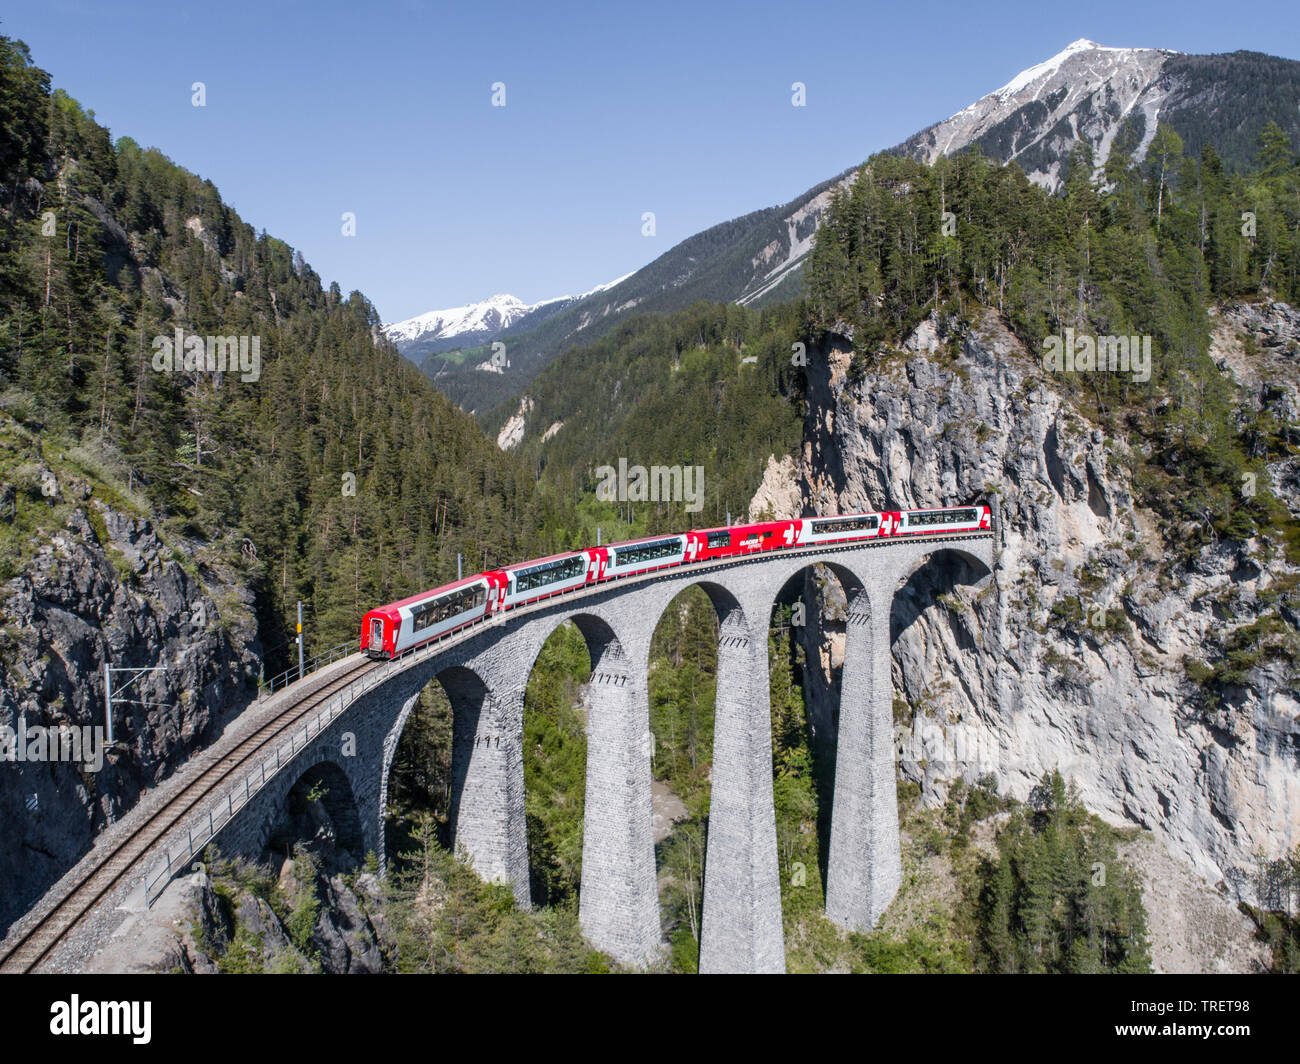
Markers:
(485, 675)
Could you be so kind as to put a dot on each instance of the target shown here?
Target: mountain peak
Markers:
(476, 323)
(1048, 67)
(1086, 91)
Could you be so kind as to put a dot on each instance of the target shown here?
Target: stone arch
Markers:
(857, 608)
(797, 569)
(333, 789)
(916, 585)
(865, 868)
(603, 641)
(618, 905)
(470, 689)
(487, 798)
(550, 645)
(731, 614)
(486, 794)
(956, 742)
(846, 622)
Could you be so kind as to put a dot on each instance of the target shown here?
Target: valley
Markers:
(1093, 742)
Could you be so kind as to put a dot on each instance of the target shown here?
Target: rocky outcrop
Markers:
(314, 911)
(1075, 655)
(777, 497)
(512, 432)
(107, 589)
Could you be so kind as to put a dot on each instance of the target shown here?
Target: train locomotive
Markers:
(392, 630)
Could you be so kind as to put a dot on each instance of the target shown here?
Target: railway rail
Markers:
(82, 896)
(23, 951)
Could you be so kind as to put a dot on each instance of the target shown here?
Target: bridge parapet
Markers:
(485, 671)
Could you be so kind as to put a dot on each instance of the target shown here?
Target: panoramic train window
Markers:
(845, 524)
(647, 552)
(440, 609)
(549, 573)
(719, 539)
(943, 517)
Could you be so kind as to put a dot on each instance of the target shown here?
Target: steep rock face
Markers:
(993, 678)
(777, 497)
(206, 924)
(313, 912)
(108, 589)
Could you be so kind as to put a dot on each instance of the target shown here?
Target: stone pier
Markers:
(485, 674)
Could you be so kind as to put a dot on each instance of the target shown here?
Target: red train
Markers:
(398, 627)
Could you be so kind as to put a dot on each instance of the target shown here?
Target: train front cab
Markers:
(377, 636)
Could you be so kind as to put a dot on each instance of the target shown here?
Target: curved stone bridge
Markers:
(485, 672)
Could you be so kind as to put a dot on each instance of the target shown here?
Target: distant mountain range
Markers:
(754, 260)
(1085, 92)
(436, 331)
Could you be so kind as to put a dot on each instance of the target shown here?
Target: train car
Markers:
(947, 519)
(640, 555)
(836, 529)
(740, 540)
(394, 629)
(529, 581)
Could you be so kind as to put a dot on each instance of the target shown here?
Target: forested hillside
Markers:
(754, 259)
(1227, 100)
(332, 464)
(712, 386)
(1147, 254)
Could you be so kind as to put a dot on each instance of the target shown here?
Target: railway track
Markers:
(35, 944)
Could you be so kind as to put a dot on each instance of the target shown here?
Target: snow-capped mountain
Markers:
(1110, 97)
(490, 315)
(1085, 92)
(1092, 92)
(475, 323)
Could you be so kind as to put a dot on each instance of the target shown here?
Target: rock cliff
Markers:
(107, 588)
(1076, 654)
(307, 905)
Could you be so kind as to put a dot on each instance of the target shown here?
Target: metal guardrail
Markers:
(202, 830)
(219, 814)
(291, 675)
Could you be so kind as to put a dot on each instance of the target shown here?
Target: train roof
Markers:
(542, 561)
(428, 594)
(646, 539)
(747, 525)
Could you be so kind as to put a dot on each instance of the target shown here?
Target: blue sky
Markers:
(384, 110)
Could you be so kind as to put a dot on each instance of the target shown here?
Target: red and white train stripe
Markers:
(401, 626)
